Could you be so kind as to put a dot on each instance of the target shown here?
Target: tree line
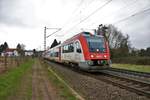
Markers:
(119, 43)
(120, 46)
(20, 48)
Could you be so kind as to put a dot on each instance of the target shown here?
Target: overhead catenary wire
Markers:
(58, 29)
(91, 14)
(80, 4)
(95, 11)
(135, 14)
(122, 8)
(75, 10)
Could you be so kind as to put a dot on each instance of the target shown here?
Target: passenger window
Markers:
(78, 48)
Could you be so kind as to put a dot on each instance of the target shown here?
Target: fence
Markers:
(7, 63)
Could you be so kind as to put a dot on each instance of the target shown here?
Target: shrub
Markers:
(132, 60)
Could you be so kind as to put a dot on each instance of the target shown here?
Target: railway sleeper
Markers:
(145, 88)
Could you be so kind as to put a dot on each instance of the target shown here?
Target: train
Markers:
(85, 50)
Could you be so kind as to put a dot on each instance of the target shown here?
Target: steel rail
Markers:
(131, 72)
(137, 86)
(132, 84)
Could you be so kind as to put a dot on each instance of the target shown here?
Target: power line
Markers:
(135, 14)
(127, 5)
(91, 14)
(78, 6)
(96, 11)
(58, 29)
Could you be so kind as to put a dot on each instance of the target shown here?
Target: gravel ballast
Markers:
(91, 88)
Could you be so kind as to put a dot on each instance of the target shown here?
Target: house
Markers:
(10, 52)
(28, 52)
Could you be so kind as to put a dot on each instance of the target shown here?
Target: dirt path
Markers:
(35, 85)
(41, 87)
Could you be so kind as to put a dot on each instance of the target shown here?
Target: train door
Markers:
(78, 52)
(59, 54)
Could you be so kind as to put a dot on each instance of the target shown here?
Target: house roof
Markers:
(10, 50)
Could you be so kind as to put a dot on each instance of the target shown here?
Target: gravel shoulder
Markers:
(92, 89)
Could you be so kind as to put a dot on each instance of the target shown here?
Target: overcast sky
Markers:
(23, 21)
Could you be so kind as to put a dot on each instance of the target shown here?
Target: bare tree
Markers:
(116, 38)
(20, 49)
(119, 43)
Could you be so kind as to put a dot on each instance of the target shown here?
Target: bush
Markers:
(132, 60)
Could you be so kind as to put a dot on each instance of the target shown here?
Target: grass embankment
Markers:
(10, 80)
(140, 68)
(64, 91)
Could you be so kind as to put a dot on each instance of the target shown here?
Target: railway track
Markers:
(121, 79)
(137, 82)
(134, 85)
(135, 73)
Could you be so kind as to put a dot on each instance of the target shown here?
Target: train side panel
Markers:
(72, 52)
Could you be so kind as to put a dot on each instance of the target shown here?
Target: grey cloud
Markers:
(16, 12)
(138, 28)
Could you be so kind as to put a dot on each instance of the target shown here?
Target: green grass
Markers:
(10, 80)
(140, 68)
(29, 89)
(63, 89)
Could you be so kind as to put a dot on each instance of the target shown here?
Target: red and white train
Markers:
(85, 50)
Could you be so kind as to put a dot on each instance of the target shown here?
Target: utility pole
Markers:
(45, 36)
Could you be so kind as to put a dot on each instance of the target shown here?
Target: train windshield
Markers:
(96, 44)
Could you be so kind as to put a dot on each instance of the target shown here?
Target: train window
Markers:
(70, 47)
(65, 49)
(56, 54)
(51, 54)
(96, 44)
(78, 48)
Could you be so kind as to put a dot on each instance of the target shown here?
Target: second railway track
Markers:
(143, 76)
(121, 80)
(131, 84)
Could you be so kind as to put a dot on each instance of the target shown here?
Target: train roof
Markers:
(86, 34)
(75, 37)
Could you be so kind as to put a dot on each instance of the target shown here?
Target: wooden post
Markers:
(5, 61)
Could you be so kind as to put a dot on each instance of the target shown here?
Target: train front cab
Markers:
(95, 52)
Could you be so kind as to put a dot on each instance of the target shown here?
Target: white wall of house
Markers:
(14, 53)
(28, 53)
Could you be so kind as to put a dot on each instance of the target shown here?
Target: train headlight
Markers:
(92, 56)
(105, 56)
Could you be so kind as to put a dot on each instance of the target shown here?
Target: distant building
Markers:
(28, 52)
(10, 52)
